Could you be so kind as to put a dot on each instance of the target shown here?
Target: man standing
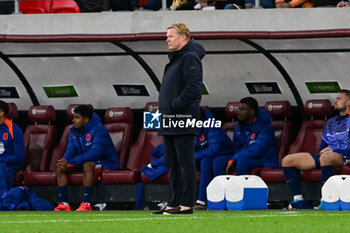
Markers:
(179, 98)
(11, 149)
(334, 152)
(89, 148)
(254, 142)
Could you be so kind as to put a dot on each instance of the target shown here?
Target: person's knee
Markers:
(207, 162)
(242, 166)
(289, 161)
(60, 171)
(331, 159)
(88, 167)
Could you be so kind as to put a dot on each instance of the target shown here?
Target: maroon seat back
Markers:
(148, 139)
(141, 149)
(231, 112)
(281, 112)
(60, 149)
(119, 123)
(310, 133)
(152, 106)
(39, 138)
(13, 113)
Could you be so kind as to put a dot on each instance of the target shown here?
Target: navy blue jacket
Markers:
(11, 144)
(212, 142)
(256, 140)
(181, 89)
(91, 144)
(336, 135)
(157, 167)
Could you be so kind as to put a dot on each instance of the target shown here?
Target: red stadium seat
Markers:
(139, 155)
(345, 170)
(39, 140)
(64, 6)
(119, 123)
(308, 139)
(34, 6)
(13, 113)
(231, 112)
(49, 177)
(152, 107)
(281, 112)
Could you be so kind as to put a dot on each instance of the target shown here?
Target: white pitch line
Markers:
(98, 220)
(221, 216)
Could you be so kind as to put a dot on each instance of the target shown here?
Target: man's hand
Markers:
(285, 5)
(62, 164)
(343, 4)
(279, 4)
(325, 150)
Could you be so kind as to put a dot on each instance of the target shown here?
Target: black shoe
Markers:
(198, 206)
(163, 210)
(188, 211)
(178, 211)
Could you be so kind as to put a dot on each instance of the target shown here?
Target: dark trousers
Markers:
(179, 158)
(7, 173)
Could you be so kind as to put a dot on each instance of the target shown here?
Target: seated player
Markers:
(11, 149)
(334, 152)
(254, 142)
(210, 143)
(90, 147)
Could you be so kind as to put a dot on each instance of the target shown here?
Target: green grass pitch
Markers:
(201, 221)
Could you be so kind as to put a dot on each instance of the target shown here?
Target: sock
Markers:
(87, 194)
(63, 194)
(298, 197)
(327, 171)
(200, 202)
(293, 179)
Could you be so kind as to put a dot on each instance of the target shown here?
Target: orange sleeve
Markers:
(10, 126)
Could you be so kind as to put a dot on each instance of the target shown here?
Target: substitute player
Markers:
(90, 147)
(334, 151)
(11, 149)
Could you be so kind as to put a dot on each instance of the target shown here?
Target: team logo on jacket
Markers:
(88, 137)
(2, 148)
(5, 136)
(202, 138)
(252, 136)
